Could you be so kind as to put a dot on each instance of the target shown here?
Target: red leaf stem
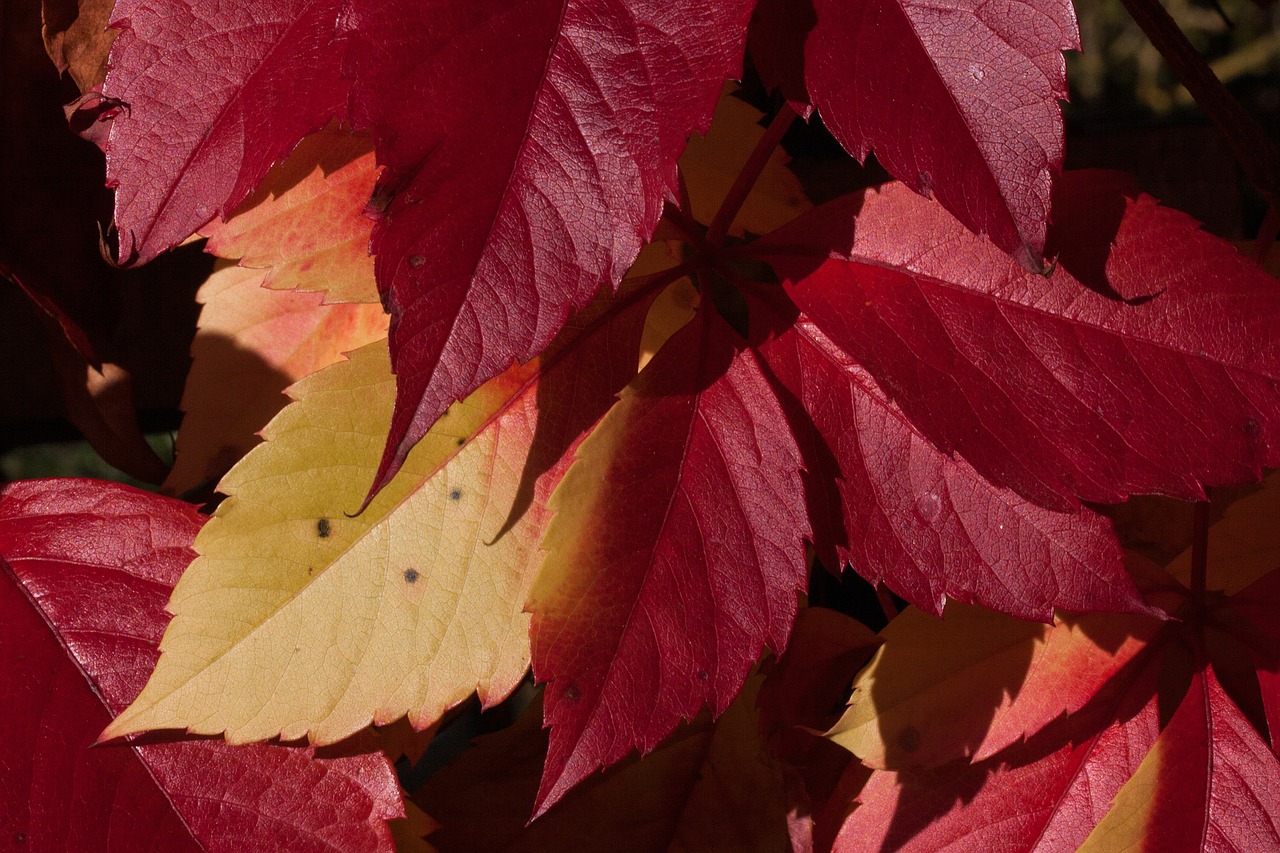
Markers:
(747, 177)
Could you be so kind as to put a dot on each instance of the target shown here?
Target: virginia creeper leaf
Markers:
(975, 681)
(1209, 783)
(304, 222)
(85, 568)
(1052, 790)
(1050, 386)
(926, 524)
(77, 39)
(711, 786)
(212, 96)
(1030, 797)
(674, 555)
(959, 101)
(521, 187)
(300, 620)
(250, 344)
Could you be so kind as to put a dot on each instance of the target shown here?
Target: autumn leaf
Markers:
(1119, 767)
(1050, 386)
(500, 222)
(85, 568)
(304, 223)
(77, 39)
(960, 103)
(974, 682)
(924, 523)
(313, 622)
(675, 554)
(775, 40)
(712, 786)
(1209, 783)
(252, 343)
(210, 97)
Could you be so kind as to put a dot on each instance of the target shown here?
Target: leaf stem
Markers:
(886, 603)
(1199, 551)
(747, 177)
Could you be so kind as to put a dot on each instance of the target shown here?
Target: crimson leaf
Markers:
(1057, 387)
(85, 571)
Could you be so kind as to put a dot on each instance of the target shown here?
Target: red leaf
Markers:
(1020, 800)
(960, 101)
(211, 96)
(1210, 783)
(515, 188)
(87, 568)
(926, 524)
(1049, 386)
(675, 555)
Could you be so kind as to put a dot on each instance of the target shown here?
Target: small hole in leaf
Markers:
(410, 575)
(323, 528)
(455, 495)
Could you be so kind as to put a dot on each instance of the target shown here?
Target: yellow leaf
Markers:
(976, 681)
(299, 620)
(251, 344)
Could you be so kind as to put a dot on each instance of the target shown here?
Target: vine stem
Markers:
(1253, 148)
(1199, 551)
(747, 177)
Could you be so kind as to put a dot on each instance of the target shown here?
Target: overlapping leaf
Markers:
(1210, 783)
(710, 787)
(305, 223)
(252, 343)
(1121, 769)
(1057, 387)
(301, 231)
(500, 222)
(300, 620)
(85, 568)
(960, 102)
(675, 554)
(926, 524)
(209, 97)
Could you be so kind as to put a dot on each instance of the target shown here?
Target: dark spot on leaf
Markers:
(311, 570)
(416, 261)
(1251, 427)
(572, 694)
(410, 575)
(455, 495)
(909, 739)
(20, 837)
(461, 441)
(323, 528)
(703, 675)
